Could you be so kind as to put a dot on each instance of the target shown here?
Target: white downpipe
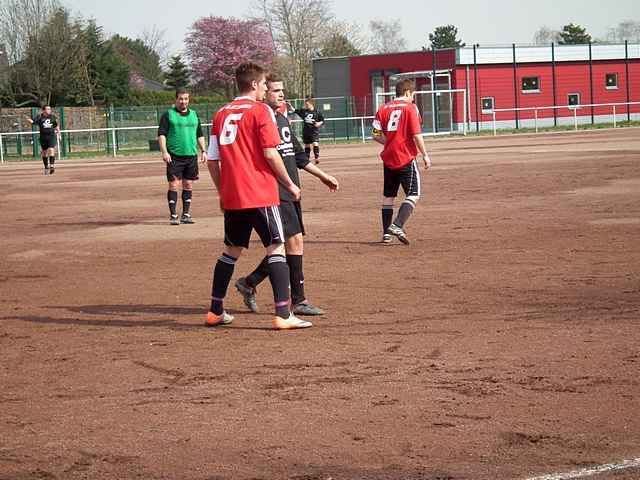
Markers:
(113, 141)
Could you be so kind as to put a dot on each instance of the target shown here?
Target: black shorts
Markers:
(407, 176)
(291, 213)
(238, 225)
(309, 138)
(48, 141)
(182, 168)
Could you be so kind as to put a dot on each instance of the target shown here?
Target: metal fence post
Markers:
(614, 116)
(362, 126)
(113, 141)
(575, 118)
(495, 132)
(1, 150)
(536, 120)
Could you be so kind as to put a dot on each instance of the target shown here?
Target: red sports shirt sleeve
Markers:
(415, 123)
(267, 128)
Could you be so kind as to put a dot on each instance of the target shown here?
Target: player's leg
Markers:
(174, 177)
(51, 153)
(316, 151)
(268, 225)
(189, 175)
(410, 180)
(44, 154)
(307, 148)
(237, 231)
(246, 286)
(390, 191)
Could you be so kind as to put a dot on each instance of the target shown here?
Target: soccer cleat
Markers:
(46, 170)
(317, 161)
(398, 232)
(290, 323)
(248, 294)
(52, 170)
(386, 238)
(305, 308)
(174, 220)
(186, 218)
(214, 320)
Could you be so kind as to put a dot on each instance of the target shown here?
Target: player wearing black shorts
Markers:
(312, 121)
(398, 127)
(49, 131)
(294, 158)
(181, 142)
(246, 168)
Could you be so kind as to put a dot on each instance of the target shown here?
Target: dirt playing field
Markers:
(503, 343)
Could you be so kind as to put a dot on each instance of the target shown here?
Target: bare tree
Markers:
(298, 28)
(545, 35)
(21, 21)
(155, 38)
(625, 30)
(386, 36)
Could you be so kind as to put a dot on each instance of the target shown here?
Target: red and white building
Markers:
(496, 78)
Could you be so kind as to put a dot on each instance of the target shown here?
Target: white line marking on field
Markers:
(588, 472)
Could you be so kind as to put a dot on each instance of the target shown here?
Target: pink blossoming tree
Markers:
(217, 45)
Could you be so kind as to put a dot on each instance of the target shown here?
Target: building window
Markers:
(487, 104)
(611, 80)
(573, 100)
(530, 84)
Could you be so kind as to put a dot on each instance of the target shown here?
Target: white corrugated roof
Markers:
(563, 53)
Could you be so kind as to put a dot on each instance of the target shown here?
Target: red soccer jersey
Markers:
(242, 129)
(399, 121)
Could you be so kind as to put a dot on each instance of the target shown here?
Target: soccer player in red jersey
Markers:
(245, 168)
(397, 126)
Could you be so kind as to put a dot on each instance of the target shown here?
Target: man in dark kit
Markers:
(181, 142)
(290, 210)
(312, 121)
(49, 131)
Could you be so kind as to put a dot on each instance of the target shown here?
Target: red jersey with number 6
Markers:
(242, 129)
(400, 122)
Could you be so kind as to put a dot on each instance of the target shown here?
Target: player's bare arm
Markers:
(325, 178)
(202, 150)
(277, 165)
(378, 136)
(162, 142)
(419, 141)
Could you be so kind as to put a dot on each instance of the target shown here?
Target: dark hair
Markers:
(181, 91)
(45, 106)
(274, 77)
(247, 73)
(311, 101)
(404, 86)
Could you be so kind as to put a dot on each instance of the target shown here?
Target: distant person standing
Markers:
(312, 121)
(49, 131)
(181, 142)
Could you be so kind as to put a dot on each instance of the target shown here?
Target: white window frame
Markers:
(525, 92)
(574, 107)
(493, 104)
(611, 87)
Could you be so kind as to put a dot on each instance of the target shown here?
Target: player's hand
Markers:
(203, 157)
(427, 162)
(166, 157)
(294, 190)
(331, 182)
(317, 124)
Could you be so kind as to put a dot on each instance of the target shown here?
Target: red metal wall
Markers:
(363, 66)
(571, 77)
